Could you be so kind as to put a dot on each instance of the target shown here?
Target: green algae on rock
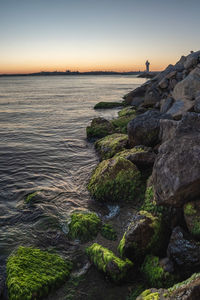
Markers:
(115, 179)
(32, 273)
(142, 236)
(192, 217)
(107, 105)
(99, 128)
(108, 232)
(189, 289)
(155, 274)
(106, 261)
(108, 146)
(150, 203)
(127, 111)
(120, 123)
(31, 198)
(84, 226)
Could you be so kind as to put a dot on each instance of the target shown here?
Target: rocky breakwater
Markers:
(163, 233)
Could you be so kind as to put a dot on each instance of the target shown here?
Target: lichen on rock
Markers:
(115, 179)
(99, 128)
(32, 273)
(108, 232)
(84, 226)
(106, 261)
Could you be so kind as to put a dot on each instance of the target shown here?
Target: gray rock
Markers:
(197, 103)
(176, 171)
(152, 96)
(188, 88)
(179, 108)
(163, 84)
(173, 82)
(192, 60)
(167, 129)
(144, 129)
(185, 253)
(166, 104)
(136, 94)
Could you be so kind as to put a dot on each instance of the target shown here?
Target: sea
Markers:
(43, 149)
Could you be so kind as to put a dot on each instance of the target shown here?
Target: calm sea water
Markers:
(43, 148)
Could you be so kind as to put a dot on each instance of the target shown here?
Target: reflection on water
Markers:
(43, 148)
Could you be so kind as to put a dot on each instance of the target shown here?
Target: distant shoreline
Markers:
(140, 74)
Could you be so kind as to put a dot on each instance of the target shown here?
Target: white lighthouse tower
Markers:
(147, 66)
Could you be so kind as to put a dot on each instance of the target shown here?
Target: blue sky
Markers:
(95, 35)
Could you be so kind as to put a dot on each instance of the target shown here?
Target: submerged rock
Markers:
(107, 105)
(142, 236)
(186, 290)
(32, 273)
(115, 179)
(192, 217)
(108, 146)
(99, 128)
(106, 261)
(84, 226)
(176, 172)
(184, 252)
(157, 273)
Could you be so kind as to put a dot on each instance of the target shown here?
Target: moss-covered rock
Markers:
(99, 128)
(192, 217)
(108, 232)
(150, 203)
(136, 291)
(127, 111)
(107, 105)
(108, 146)
(120, 123)
(115, 179)
(142, 237)
(106, 261)
(155, 274)
(32, 273)
(187, 290)
(84, 226)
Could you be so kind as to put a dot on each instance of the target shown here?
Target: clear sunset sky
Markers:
(84, 35)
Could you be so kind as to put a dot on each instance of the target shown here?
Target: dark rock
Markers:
(192, 60)
(176, 171)
(142, 236)
(166, 104)
(197, 103)
(137, 95)
(185, 253)
(144, 129)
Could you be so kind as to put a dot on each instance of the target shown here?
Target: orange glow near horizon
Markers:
(25, 68)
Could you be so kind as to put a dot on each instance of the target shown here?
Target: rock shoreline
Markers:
(149, 167)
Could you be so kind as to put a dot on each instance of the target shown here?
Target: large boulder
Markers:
(176, 171)
(197, 103)
(167, 129)
(184, 252)
(142, 236)
(115, 179)
(192, 60)
(186, 290)
(136, 97)
(180, 107)
(144, 129)
(152, 96)
(192, 217)
(188, 87)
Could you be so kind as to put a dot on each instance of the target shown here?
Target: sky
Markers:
(86, 35)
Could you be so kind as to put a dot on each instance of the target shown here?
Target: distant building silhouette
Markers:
(147, 66)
